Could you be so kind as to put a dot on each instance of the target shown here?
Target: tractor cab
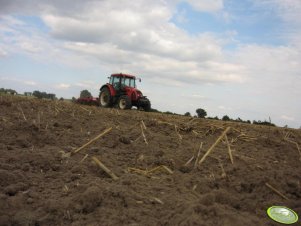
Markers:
(121, 81)
(122, 90)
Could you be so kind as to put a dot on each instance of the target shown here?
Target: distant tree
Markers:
(201, 113)
(85, 94)
(8, 91)
(44, 95)
(154, 110)
(265, 123)
(73, 99)
(50, 96)
(187, 114)
(226, 118)
(27, 93)
(11, 91)
(168, 113)
(37, 94)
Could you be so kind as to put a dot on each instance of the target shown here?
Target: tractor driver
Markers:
(116, 83)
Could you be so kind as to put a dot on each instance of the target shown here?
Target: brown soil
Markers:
(41, 184)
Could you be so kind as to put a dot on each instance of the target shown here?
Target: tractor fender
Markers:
(135, 94)
(110, 88)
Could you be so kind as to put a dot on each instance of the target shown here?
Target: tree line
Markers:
(44, 95)
(201, 113)
(8, 91)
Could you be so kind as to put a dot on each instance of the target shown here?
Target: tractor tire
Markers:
(144, 103)
(147, 106)
(105, 98)
(124, 103)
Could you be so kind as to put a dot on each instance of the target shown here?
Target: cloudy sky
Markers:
(229, 57)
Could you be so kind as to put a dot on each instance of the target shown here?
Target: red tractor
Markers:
(121, 90)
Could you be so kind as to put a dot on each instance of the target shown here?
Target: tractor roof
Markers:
(123, 75)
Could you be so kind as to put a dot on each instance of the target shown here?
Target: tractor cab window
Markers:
(115, 81)
(111, 80)
(130, 82)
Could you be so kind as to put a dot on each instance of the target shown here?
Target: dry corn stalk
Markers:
(167, 123)
(245, 158)
(244, 137)
(229, 149)
(276, 191)
(93, 140)
(143, 125)
(151, 171)
(212, 147)
(190, 121)
(143, 135)
(65, 188)
(198, 155)
(189, 161)
(167, 169)
(20, 108)
(65, 154)
(195, 132)
(213, 128)
(158, 200)
(223, 170)
(83, 159)
(137, 138)
(84, 109)
(104, 168)
(177, 132)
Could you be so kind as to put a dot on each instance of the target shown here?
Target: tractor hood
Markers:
(134, 93)
(133, 90)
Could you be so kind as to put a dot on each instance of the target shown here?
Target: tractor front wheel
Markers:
(124, 102)
(105, 98)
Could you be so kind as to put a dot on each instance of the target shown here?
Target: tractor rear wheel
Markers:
(147, 106)
(144, 103)
(105, 98)
(124, 102)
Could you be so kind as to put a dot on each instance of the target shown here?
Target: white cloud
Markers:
(289, 10)
(221, 107)
(207, 5)
(18, 80)
(288, 118)
(30, 83)
(198, 96)
(3, 53)
(30, 47)
(63, 86)
(88, 84)
(126, 36)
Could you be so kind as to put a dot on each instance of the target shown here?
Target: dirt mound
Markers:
(155, 158)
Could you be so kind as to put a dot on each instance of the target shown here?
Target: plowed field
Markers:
(43, 182)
